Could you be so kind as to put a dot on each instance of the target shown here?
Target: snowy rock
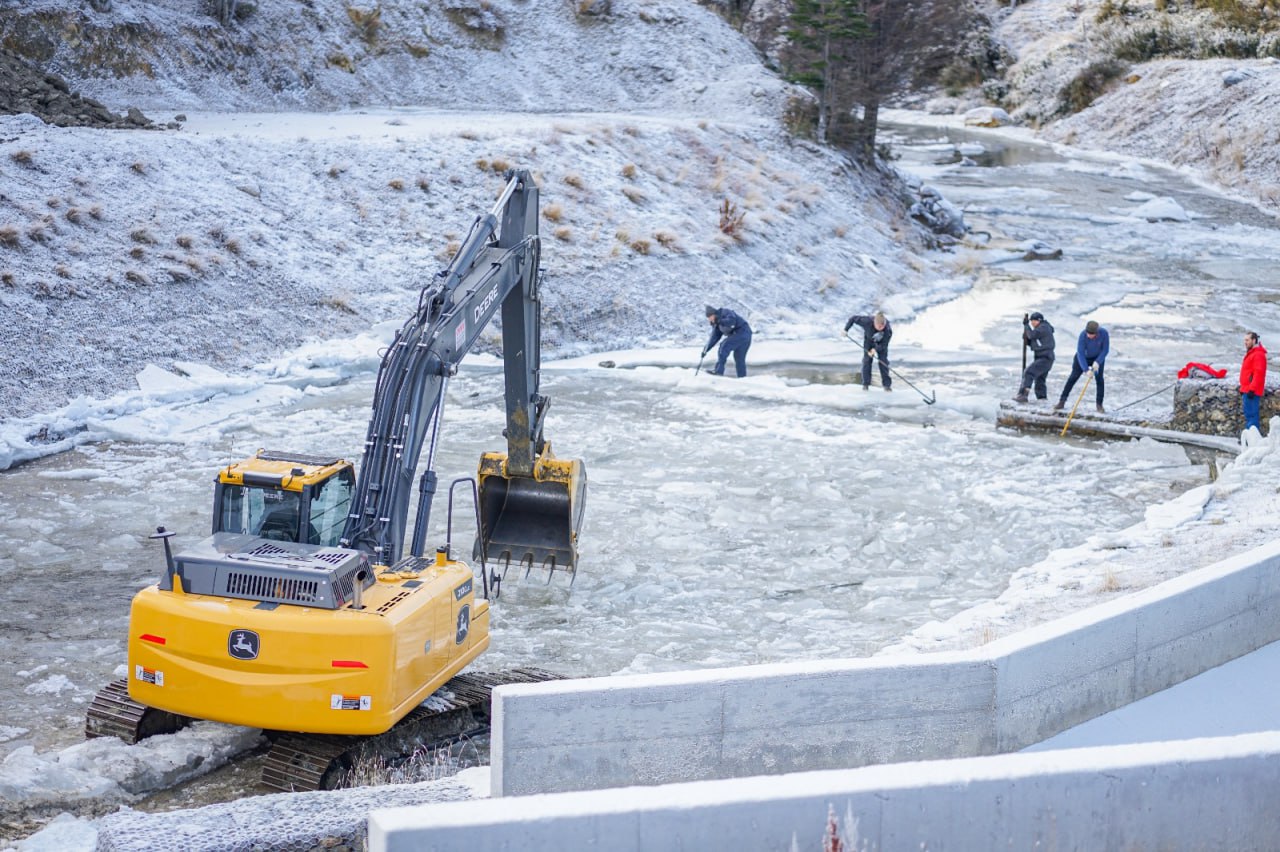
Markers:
(1162, 209)
(1235, 75)
(1039, 250)
(987, 117)
(941, 216)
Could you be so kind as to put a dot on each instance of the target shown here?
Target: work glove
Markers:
(705, 351)
(1093, 368)
(871, 353)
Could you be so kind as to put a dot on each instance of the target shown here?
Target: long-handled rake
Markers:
(928, 400)
(1077, 405)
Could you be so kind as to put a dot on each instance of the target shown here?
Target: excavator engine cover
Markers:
(531, 519)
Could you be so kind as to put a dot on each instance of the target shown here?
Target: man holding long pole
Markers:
(1038, 335)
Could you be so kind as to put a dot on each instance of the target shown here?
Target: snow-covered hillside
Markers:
(1216, 117)
(235, 237)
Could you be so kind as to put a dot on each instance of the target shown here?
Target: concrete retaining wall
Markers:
(1196, 794)
(725, 723)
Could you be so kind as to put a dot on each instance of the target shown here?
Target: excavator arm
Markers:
(496, 268)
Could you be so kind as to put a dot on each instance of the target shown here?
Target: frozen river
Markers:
(787, 516)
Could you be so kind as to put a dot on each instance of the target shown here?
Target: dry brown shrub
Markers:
(142, 235)
(232, 245)
(95, 211)
(499, 165)
(137, 277)
(482, 164)
(574, 180)
(396, 184)
(337, 169)
(62, 270)
(54, 203)
(186, 241)
(448, 251)
(74, 216)
(7, 278)
(424, 183)
(668, 239)
(634, 195)
(553, 212)
(137, 252)
(10, 236)
(641, 246)
(731, 219)
(629, 171)
(38, 232)
(22, 158)
(563, 233)
(139, 167)
(339, 302)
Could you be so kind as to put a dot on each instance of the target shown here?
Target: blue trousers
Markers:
(1252, 405)
(737, 343)
(1076, 373)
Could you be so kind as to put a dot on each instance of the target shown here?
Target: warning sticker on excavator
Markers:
(460, 335)
(145, 675)
(350, 702)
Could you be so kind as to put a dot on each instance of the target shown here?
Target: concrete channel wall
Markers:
(767, 720)
(1195, 794)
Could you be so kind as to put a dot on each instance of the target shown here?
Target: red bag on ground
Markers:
(1185, 372)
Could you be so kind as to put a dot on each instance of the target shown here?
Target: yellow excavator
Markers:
(299, 614)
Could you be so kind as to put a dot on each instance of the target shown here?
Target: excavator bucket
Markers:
(531, 520)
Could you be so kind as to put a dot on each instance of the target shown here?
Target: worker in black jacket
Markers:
(876, 332)
(737, 339)
(1038, 336)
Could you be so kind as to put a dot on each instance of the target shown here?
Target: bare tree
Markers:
(225, 10)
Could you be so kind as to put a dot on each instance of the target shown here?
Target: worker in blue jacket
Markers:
(737, 339)
(1091, 354)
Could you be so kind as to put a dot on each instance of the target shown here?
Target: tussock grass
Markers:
(423, 183)
(186, 241)
(10, 236)
(563, 233)
(629, 171)
(553, 212)
(641, 246)
(574, 180)
(138, 167)
(668, 239)
(634, 195)
(339, 302)
(142, 235)
(23, 158)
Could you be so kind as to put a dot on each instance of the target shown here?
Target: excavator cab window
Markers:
(330, 503)
(265, 512)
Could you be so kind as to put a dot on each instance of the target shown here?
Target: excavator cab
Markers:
(284, 497)
(531, 520)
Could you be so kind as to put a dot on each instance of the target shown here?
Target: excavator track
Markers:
(114, 714)
(301, 762)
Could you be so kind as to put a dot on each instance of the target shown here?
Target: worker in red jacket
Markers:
(1253, 379)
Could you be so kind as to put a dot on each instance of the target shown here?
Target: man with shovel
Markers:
(876, 332)
(1037, 335)
(737, 339)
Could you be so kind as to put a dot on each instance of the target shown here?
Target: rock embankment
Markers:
(1212, 407)
(27, 89)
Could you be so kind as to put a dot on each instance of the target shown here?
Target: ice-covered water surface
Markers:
(780, 517)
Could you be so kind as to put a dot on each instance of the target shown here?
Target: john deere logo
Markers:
(243, 644)
(464, 624)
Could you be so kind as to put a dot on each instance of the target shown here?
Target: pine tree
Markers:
(822, 40)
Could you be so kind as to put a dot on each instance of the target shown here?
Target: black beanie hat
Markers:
(711, 311)
(1037, 316)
